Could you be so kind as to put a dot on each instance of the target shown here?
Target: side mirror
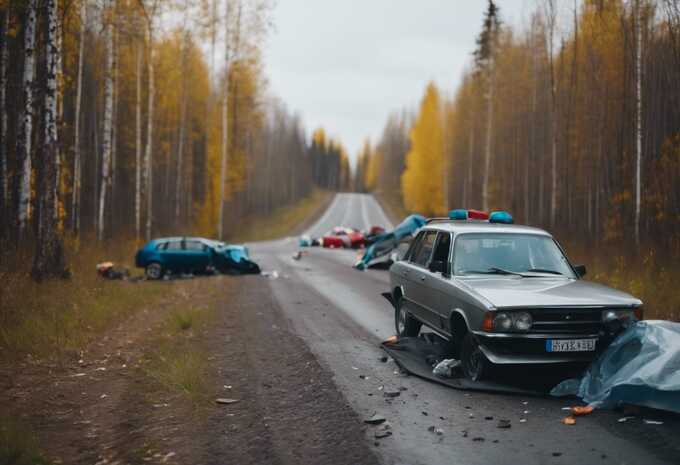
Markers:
(580, 270)
(437, 266)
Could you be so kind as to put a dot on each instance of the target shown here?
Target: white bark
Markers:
(182, 128)
(551, 18)
(138, 145)
(25, 130)
(108, 121)
(638, 122)
(223, 168)
(77, 164)
(4, 62)
(149, 134)
(489, 133)
(114, 124)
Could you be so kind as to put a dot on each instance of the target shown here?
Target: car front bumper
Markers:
(530, 348)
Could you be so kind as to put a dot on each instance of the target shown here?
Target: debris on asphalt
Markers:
(478, 439)
(226, 401)
(556, 454)
(364, 377)
(424, 413)
(298, 255)
(391, 393)
(488, 418)
(522, 420)
(582, 410)
(383, 431)
(625, 419)
(383, 359)
(504, 424)
(464, 433)
(569, 420)
(652, 422)
(376, 419)
(270, 274)
(446, 368)
(390, 340)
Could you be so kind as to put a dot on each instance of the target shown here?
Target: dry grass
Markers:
(18, 446)
(281, 222)
(650, 276)
(58, 317)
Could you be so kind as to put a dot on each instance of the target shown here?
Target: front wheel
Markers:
(475, 364)
(154, 271)
(405, 324)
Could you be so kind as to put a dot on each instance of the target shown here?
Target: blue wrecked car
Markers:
(383, 244)
(176, 255)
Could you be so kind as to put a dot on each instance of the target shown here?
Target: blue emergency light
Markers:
(500, 217)
(458, 214)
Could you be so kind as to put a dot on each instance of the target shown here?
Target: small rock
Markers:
(431, 429)
(464, 433)
(556, 454)
(424, 413)
(363, 377)
(391, 393)
(504, 424)
(225, 401)
(402, 388)
(383, 359)
(495, 441)
(488, 418)
(478, 439)
(376, 443)
(376, 419)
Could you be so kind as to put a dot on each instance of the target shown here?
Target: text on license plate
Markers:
(570, 345)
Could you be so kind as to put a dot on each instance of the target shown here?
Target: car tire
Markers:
(475, 364)
(404, 323)
(154, 271)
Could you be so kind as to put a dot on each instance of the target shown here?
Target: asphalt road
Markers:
(339, 313)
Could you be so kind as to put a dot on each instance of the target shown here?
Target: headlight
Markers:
(502, 322)
(522, 321)
(620, 315)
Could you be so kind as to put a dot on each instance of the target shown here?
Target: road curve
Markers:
(339, 313)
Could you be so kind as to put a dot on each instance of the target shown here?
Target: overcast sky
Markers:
(346, 64)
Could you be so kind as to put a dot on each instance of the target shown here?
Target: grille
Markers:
(566, 320)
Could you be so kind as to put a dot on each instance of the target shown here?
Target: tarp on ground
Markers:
(419, 355)
(386, 242)
(641, 367)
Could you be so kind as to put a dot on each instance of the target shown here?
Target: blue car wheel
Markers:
(154, 271)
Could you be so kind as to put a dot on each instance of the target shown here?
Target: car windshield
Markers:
(509, 254)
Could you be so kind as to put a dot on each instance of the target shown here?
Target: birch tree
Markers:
(551, 19)
(77, 163)
(49, 255)
(138, 142)
(25, 129)
(108, 121)
(638, 117)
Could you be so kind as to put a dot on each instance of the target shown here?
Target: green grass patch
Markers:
(179, 359)
(18, 445)
(60, 316)
(282, 221)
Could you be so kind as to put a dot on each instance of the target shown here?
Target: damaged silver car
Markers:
(503, 294)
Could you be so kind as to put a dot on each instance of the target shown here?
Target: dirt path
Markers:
(112, 405)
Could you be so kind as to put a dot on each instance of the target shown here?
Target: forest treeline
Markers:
(571, 123)
(116, 122)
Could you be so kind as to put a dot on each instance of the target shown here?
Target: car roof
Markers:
(471, 226)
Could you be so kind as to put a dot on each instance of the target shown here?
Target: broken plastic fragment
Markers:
(569, 420)
(582, 410)
(653, 422)
(376, 419)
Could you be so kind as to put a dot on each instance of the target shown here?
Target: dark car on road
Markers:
(192, 255)
(503, 294)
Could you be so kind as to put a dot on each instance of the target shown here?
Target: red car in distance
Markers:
(341, 237)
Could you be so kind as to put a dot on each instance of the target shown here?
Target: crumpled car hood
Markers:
(514, 291)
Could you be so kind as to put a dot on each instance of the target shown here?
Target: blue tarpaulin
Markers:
(641, 367)
(384, 243)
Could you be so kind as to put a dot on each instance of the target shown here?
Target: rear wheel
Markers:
(154, 270)
(405, 324)
(475, 364)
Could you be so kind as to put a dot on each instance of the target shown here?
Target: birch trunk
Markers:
(77, 164)
(114, 126)
(223, 168)
(551, 18)
(638, 119)
(149, 135)
(489, 135)
(49, 255)
(138, 145)
(4, 62)
(182, 129)
(108, 121)
(25, 129)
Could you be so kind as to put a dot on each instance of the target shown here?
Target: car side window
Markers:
(441, 251)
(415, 245)
(195, 246)
(162, 246)
(423, 253)
(173, 245)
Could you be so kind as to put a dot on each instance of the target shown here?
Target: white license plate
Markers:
(570, 345)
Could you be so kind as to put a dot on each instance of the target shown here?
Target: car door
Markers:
(173, 255)
(437, 284)
(196, 255)
(418, 276)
